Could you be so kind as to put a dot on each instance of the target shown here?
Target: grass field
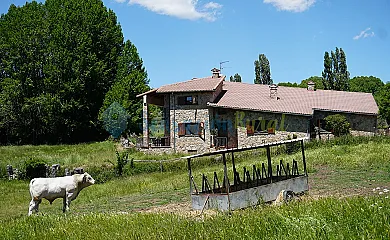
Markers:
(341, 203)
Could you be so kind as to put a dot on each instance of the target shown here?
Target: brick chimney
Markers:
(311, 86)
(273, 90)
(215, 72)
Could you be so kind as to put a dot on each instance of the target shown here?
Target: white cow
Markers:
(67, 188)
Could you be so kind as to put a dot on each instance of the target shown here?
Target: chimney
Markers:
(311, 86)
(273, 90)
(215, 72)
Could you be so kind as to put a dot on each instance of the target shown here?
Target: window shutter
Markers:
(182, 129)
(200, 128)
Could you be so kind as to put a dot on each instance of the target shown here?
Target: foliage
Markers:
(303, 84)
(335, 75)
(35, 168)
(383, 100)
(58, 60)
(262, 71)
(317, 80)
(235, 78)
(337, 124)
(366, 84)
(121, 161)
(131, 80)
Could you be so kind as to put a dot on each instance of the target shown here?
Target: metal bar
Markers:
(193, 182)
(216, 181)
(303, 158)
(234, 170)
(189, 174)
(269, 163)
(224, 151)
(226, 178)
(263, 171)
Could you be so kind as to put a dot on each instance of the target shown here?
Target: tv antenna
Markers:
(220, 65)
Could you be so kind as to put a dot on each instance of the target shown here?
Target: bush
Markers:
(337, 124)
(35, 168)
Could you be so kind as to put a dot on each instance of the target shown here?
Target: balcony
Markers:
(154, 142)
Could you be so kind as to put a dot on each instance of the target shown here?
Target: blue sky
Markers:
(182, 39)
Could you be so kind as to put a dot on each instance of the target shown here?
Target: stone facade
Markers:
(360, 124)
(232, 124)
(286, 126)
(197, 113)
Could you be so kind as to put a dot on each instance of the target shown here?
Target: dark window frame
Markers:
(187, 100)
(191, 129)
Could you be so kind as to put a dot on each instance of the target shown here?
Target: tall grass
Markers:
(356, 218)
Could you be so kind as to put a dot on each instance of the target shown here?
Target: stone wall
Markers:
(286, 126)
(359, 123)
(190, 114)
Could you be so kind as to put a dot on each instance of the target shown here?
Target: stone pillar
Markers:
(145, 122)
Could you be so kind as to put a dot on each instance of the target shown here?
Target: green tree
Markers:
(288, 84)
(317, 80)
(337, 124)
(262, 71)
(236, 78)
(327, 74)
(257, 72)
(132, 79)
(335, 75)
(366, 84)
(61, 59)
(383, 100)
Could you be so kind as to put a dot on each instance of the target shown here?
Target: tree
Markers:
(236, 78)
(383, 100)
(60, 58)
(366, 84)
(337, 124)
(262, 71)
(288, 84)
(335, 75)
(132, 79)
(317, 80)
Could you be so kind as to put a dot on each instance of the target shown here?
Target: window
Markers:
(187, 100)
(191, 129)
(257, 127)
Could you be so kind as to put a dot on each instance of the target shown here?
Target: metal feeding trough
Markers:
(259, 183)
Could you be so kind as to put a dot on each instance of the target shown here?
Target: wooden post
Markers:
(269, 163)
(303, 157)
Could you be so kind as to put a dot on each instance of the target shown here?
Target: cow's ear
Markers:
(84, 179)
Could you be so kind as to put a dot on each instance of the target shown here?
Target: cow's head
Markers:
(88, 180)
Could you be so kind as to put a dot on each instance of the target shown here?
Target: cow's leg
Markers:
(67, 200)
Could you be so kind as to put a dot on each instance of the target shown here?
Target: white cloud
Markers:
(291, 5)
(212, 5)
(365, 33)
(184, 9)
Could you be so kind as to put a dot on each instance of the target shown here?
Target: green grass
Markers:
(357, 218)
(350, 170)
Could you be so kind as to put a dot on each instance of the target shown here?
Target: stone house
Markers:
(204, 114)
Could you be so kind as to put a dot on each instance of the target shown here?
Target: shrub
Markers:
(337, 124)
(35, 168)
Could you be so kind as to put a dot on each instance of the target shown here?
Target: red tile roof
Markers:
(207, 84)
(294, 100)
